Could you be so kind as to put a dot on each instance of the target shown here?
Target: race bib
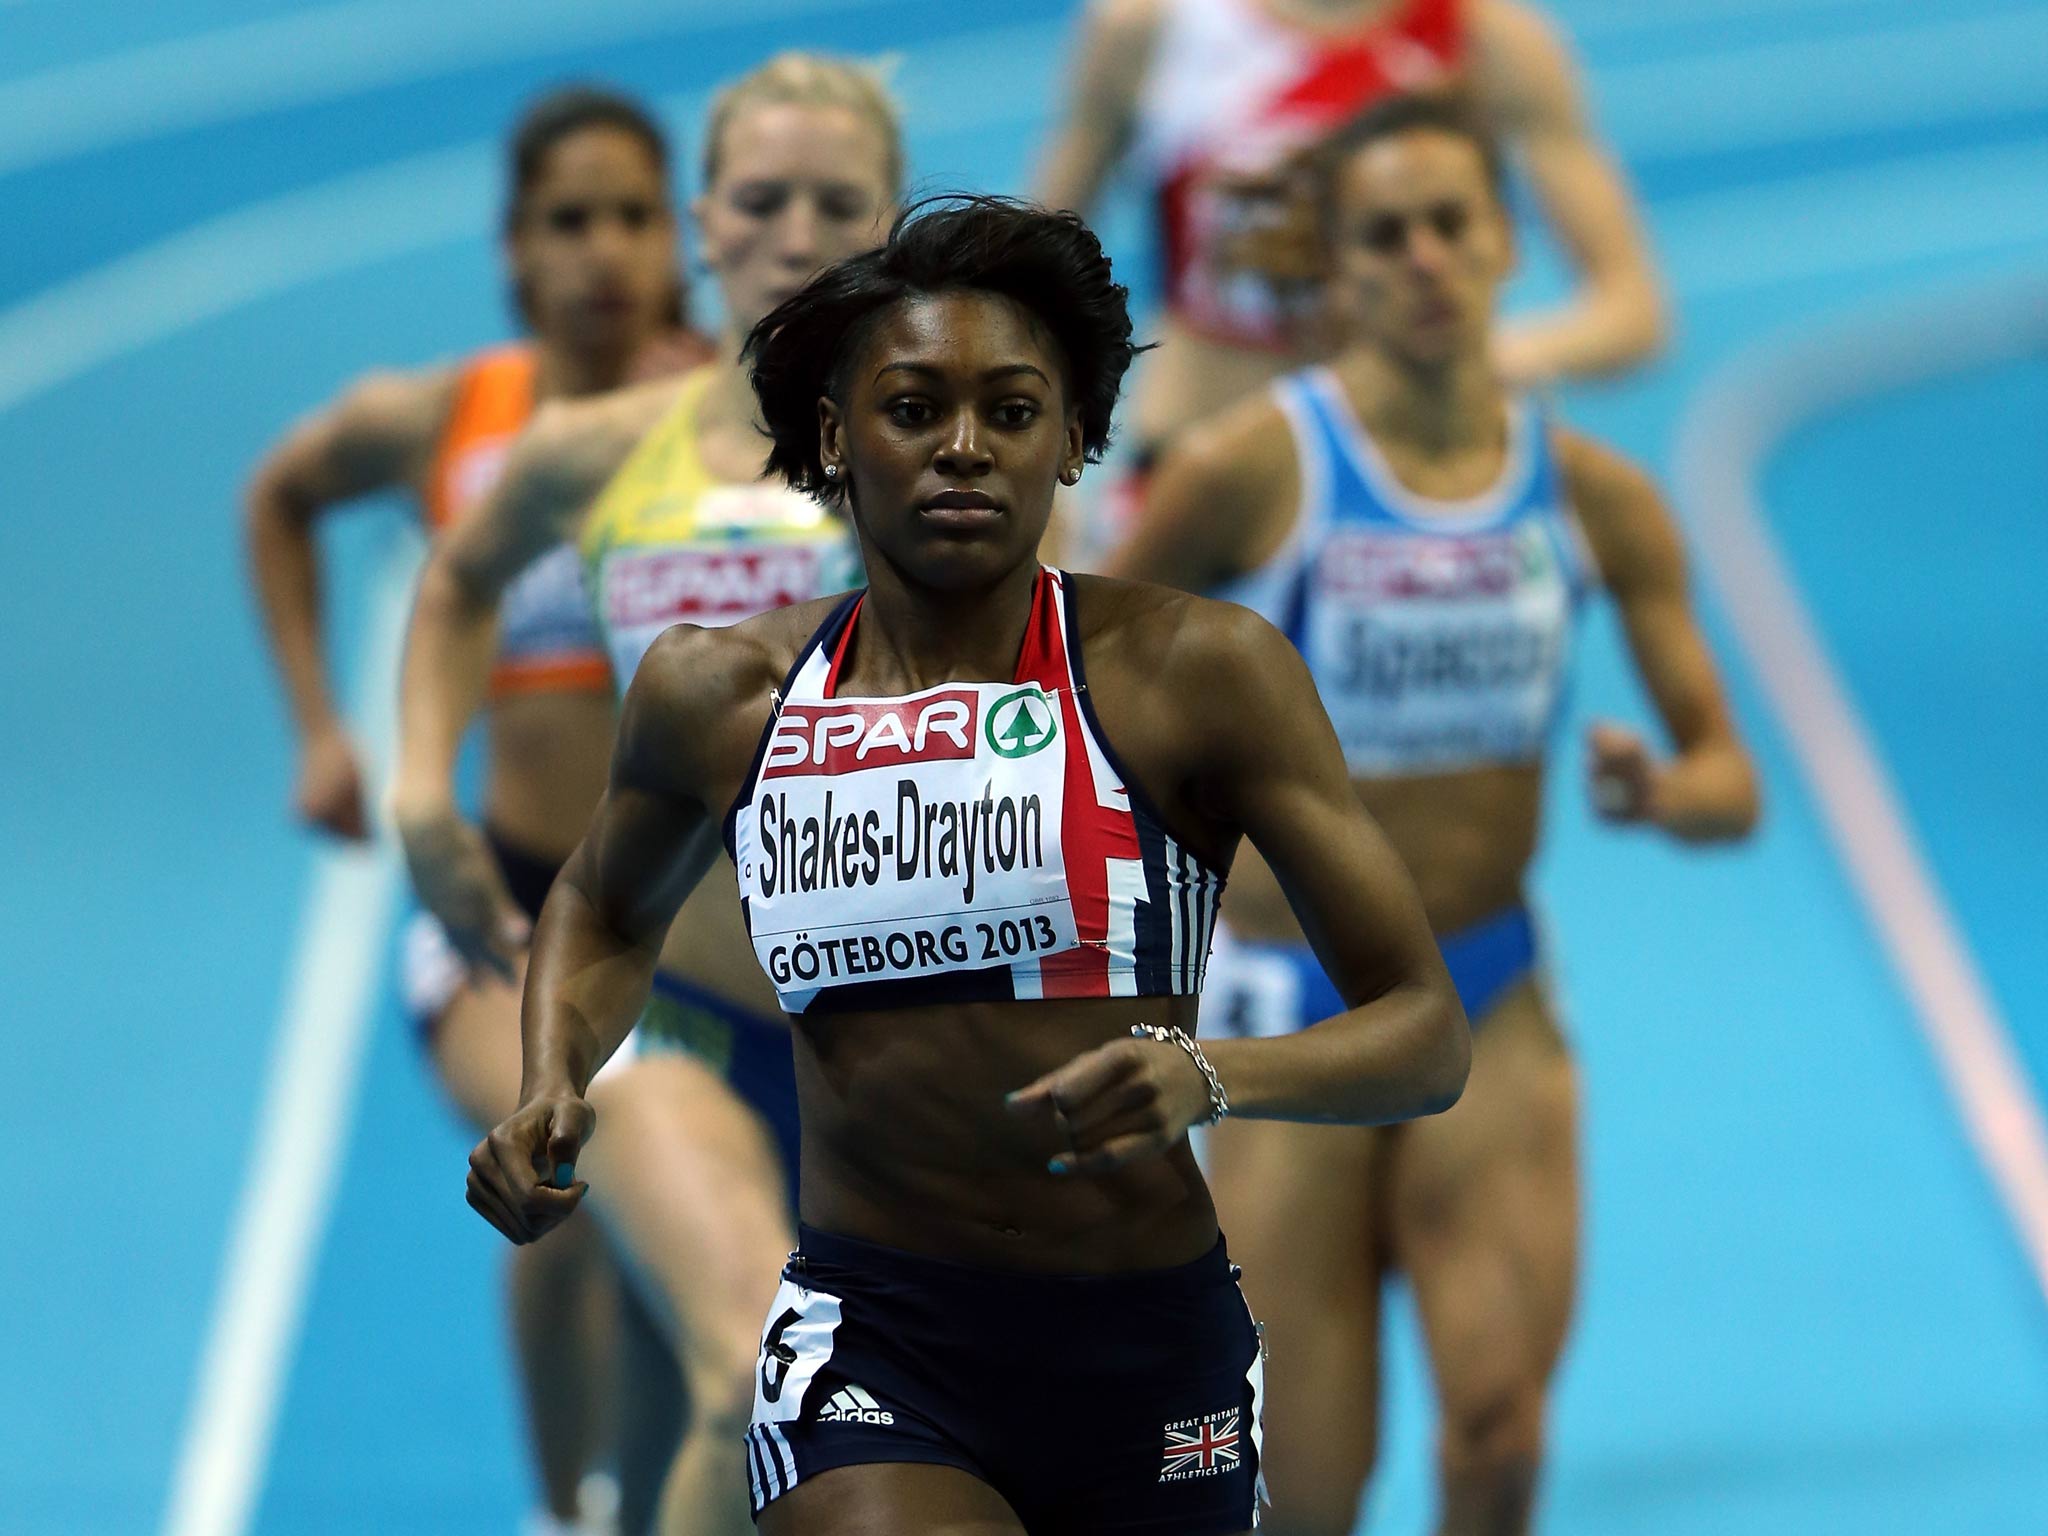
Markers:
(1436, 650)
(889, 839)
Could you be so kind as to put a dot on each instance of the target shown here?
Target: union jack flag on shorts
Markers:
(1209, 1447)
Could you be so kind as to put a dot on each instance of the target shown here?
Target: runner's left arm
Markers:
(1402, 1047)
(1707, 792)
(1265, 760)
(1529, 88)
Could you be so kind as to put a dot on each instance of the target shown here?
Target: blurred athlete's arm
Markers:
(1213, 502)
(1708, 791)
(600, 933)
(1529, 87)
(554, 469)
(378, 435)
(1110, 60)
(569, 451)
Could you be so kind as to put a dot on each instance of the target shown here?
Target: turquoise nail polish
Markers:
(1058, 1165)
(565, 1175)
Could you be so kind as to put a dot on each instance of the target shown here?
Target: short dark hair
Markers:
(1049, 263)
(1451, 112)
(558, 115)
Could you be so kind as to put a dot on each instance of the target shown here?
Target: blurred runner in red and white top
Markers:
(1212, 100)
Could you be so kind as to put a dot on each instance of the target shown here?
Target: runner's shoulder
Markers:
(1183, 641)
(709, 689)
(1246, 447)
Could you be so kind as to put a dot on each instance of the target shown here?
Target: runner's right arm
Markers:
(652, 838)
(1112, 57)
(379, 435)
(1211, 505)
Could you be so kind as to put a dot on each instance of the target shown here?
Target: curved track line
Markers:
(1741, 416)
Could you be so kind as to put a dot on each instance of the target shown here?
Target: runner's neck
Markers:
(1438, 411)
(908, 639)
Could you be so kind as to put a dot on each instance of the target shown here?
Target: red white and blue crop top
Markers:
(966, 843)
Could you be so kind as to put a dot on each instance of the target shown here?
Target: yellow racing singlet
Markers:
(667, 543)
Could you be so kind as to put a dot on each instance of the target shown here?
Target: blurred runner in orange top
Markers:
(590, 244)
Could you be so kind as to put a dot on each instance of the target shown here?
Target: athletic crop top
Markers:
(547, 641)
(1233, 93)
(970, 842)
(668, 544)
(1439, 633)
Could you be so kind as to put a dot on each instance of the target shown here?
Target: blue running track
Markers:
(1806, 1308)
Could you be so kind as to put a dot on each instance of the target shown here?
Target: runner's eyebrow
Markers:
(989, 376)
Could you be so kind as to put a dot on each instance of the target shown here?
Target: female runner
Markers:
(590, 241)
(802, 166)
(1213, 99)
(987, 915)
(1427, 539)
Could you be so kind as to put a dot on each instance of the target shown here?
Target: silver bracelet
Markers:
(1173, 1034)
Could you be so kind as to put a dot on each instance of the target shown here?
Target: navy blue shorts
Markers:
(752, 1053)
(1097, 1405)
(1275, 989)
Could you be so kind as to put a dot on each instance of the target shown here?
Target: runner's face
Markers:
(952, 435)
(1422, 247)
(798, 188)
(594, 252)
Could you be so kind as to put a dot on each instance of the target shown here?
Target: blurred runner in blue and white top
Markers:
(1428, 539)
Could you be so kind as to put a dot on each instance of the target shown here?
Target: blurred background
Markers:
(239, 1276)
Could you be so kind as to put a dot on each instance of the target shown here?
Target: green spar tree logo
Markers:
(1021, 723)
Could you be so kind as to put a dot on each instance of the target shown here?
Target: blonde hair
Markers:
(810, 80)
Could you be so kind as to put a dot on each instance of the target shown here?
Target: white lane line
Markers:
(1598, 18)
(1728, 435)
(238, 259)
(400, 208)
(302, 1128)
(325, 54)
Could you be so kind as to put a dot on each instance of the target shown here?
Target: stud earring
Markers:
(831, 471)
(1070, 477)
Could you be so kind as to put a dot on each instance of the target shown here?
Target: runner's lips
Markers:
(1436, 313)
(962, 510)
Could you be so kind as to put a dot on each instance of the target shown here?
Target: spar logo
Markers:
(833, 738)
(720, 586)
(1425, 567)
(1021, 723)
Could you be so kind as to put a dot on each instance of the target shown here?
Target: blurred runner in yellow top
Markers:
(659, 484)
(669, 542)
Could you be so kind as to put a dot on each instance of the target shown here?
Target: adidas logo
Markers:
(853, 1405)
